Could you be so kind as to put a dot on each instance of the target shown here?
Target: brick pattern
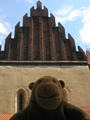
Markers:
(73, 49)
(56, 43)
(2, 53)
(40, 39)
(36, 38)
(88, 57)
(87, 111)
(5, 117)
(0, 47)
(61, 38)
(82, 52)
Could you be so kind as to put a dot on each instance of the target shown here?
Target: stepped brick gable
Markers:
(39, 39)
(88, 57)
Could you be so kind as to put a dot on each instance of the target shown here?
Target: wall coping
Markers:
(3, 62)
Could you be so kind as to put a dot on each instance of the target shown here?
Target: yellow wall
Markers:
(77, 80)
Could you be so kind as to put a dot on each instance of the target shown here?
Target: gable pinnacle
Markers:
(39, 5)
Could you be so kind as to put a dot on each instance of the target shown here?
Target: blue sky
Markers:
(74, 15)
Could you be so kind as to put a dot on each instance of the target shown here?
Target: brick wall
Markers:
(40, 39)
(88, 56)
(57, 43)
(0, 47)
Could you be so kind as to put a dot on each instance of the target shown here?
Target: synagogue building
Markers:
(40, 48)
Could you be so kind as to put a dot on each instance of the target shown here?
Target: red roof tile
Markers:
(87, 111)
(5, 117)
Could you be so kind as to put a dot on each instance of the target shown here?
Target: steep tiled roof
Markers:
(5, 117)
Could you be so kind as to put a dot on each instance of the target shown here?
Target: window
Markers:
(20, 102)
(21, 99)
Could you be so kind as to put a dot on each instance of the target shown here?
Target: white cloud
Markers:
(85, 31)
(60, 19)
(86, 15)
(30, 1)
(4, 28)
(74, 14)
(4, 25)
(64, 11)
(67, 14)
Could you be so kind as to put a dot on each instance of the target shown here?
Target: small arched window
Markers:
(21, 99)
(20, 102)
